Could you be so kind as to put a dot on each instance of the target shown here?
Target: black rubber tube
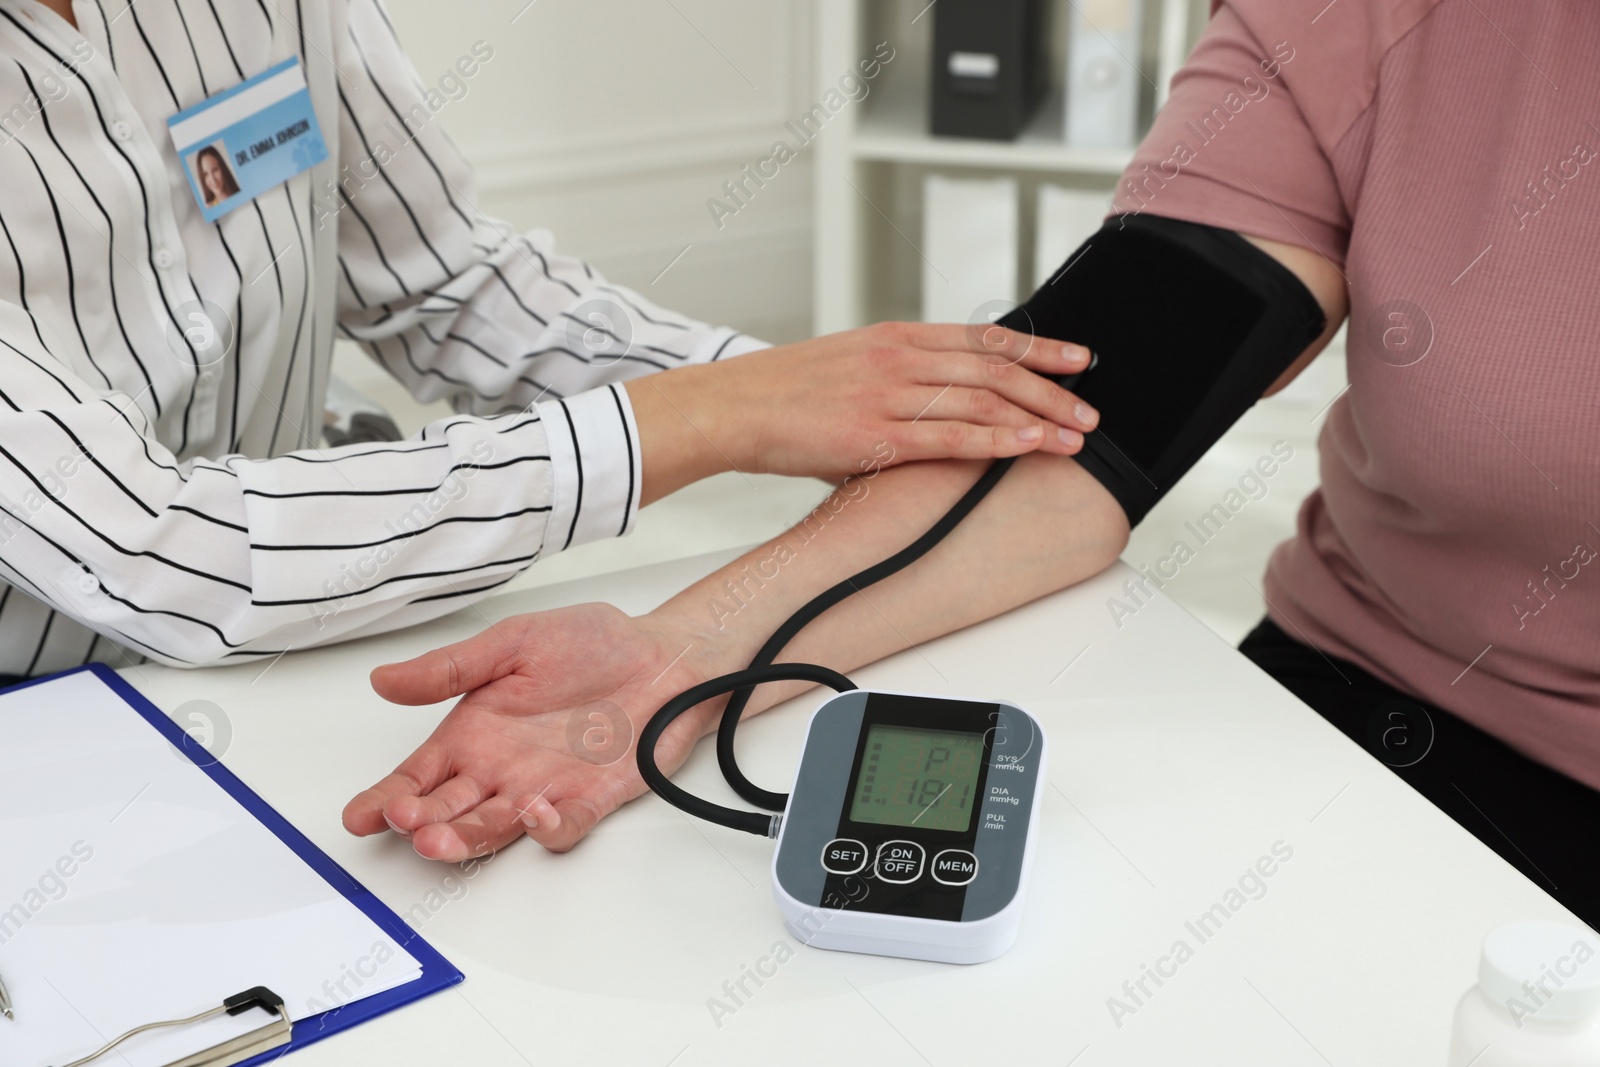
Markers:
(902, 559)
(753, 822)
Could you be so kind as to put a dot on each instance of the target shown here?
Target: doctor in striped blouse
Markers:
(162, 496)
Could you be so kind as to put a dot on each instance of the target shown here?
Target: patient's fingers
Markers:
(490, 826)
(419, 774)
(452, 670)
(406, 814)
(559, 825)
(363, 816)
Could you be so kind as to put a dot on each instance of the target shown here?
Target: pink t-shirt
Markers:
(1442, 154)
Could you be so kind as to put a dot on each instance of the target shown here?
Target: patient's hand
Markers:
(542, 740)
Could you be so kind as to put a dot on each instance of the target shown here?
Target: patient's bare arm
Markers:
(1047, 525)
(513, 755)
(504, 761)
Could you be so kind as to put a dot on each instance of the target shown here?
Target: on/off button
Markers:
(900, 861)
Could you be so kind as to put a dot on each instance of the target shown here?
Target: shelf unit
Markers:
(895, 130)
(870, 158)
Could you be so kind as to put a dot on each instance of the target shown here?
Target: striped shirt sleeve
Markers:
(460, 306)
(200, 560)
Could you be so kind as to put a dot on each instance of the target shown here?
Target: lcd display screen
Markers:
(920, 778)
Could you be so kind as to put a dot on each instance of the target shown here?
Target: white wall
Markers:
(612, 121)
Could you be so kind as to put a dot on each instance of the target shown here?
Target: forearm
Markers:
(1045, 526)
(679, 444)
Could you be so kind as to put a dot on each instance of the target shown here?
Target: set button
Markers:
(844, 855)
(955, 866)
(900, 862)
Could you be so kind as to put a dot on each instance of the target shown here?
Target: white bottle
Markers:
(1537, 1001)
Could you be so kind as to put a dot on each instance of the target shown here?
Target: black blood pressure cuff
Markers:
(1189, 325)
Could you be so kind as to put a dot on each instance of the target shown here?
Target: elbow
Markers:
(1104, 526)
(1076, 527)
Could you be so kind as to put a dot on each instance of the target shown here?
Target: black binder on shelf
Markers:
(990, 67)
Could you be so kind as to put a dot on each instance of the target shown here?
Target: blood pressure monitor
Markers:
(910, 827)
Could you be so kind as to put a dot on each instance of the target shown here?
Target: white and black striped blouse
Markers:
(162, 501)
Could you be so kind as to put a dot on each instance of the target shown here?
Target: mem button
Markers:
(900, 861)
(955, 866)
(843, 855)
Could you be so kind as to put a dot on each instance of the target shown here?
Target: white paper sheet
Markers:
(134, 889)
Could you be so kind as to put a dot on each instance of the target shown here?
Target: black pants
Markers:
(1537, 819)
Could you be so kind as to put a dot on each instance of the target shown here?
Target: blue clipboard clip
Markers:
(437, 972)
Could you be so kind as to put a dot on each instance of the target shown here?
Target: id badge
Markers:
(248, 139)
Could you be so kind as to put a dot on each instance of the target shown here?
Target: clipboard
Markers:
(436, 972)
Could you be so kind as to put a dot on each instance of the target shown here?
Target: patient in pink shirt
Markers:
(1442, 154)
(1432, 166)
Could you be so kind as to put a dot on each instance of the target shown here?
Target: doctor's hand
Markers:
(542, 740)
(856, 402)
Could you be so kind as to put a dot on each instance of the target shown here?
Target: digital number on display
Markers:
(917, 778)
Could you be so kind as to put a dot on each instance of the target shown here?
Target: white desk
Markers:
(1175, 765)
